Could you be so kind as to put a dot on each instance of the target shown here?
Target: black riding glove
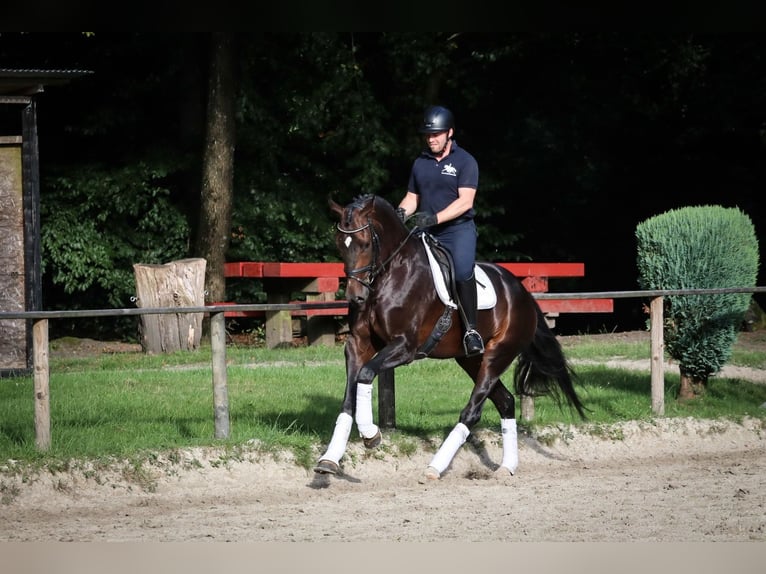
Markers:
(423, 220)
(401, 213)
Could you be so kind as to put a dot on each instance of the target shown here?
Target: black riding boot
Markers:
(466, 292)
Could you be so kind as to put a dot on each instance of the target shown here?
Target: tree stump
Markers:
(175, 284)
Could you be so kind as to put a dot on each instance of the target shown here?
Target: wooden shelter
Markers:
(20, 259)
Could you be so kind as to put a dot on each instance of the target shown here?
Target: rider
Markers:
(443, 198)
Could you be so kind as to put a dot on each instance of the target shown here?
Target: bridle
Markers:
(374, 269)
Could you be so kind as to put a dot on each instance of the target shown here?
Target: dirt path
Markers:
(673, 480)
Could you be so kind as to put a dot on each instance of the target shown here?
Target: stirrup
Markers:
(472, 343)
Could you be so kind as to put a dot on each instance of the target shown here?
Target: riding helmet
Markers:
(437, 119)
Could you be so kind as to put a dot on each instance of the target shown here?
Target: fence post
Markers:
(220, 387)
(527, 407)
(657, 356)
(386, 399)
(42, 384)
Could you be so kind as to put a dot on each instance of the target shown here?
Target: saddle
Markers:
(442, 270)
(444, 276)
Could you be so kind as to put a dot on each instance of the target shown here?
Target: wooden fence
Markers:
(386, 407)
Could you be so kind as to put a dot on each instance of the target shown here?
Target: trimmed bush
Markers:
(700, 247)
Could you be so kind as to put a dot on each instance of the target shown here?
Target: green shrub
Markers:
(95, 225)
(701, 247)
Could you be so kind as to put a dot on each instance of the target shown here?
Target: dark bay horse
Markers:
(396, 316)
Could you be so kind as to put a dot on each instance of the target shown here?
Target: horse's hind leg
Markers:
(505, 404)
(503, 400)
(468, 417)
(447, 451)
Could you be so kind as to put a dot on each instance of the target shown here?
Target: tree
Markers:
(702, 247)
(214, 232)
(561, 123)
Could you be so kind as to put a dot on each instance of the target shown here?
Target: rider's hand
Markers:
(401, 213)
(423, 220)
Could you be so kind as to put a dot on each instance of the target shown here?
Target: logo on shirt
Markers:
(449, 169)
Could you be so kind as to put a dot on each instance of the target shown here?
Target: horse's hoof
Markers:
(326, 467)
(374, 441)
(512, 471)
(504, 473)
(431, 474)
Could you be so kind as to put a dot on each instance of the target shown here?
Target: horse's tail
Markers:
(543, 369)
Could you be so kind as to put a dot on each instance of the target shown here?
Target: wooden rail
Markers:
(386, 407)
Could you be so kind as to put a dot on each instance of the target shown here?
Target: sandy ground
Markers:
(674, 480)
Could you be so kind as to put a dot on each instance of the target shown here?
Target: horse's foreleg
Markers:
(367, 429)
(329, 462)
(447, 451)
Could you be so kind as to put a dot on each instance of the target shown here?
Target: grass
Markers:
(132, 406)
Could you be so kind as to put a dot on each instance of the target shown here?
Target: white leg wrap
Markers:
(339, 439)
(510, 444)
(364, 411)
(450, 446)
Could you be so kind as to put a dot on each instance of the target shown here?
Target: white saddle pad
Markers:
(486, 296)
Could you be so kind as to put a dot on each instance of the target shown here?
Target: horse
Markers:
(396, 316)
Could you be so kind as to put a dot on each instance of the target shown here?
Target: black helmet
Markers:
(437, 119)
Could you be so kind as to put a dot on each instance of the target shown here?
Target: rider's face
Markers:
(437, 142)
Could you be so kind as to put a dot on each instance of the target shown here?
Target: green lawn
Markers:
(132, 406)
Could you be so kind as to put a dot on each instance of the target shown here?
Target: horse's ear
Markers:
(336, 208)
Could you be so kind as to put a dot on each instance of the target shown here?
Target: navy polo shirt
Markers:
(437, 182)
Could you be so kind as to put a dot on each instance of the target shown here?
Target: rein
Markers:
(373, 270)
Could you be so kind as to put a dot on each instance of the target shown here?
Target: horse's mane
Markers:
(382, 208)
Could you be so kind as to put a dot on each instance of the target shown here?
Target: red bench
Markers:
(321, 281)
(535, 277)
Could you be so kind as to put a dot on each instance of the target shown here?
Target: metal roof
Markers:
(28, 82)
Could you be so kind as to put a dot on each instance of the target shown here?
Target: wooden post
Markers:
(175, 284)
(386, 399)
(220, 385)
(42, 384)
(657, 356)
(527, 407)
(279, 324)
(320, 329)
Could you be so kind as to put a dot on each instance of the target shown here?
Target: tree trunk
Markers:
(218, 166)
(691, 387)
(175, 284)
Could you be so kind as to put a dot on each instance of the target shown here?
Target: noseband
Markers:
(373, 269)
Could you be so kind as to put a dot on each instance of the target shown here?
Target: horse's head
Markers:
(368, 233)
